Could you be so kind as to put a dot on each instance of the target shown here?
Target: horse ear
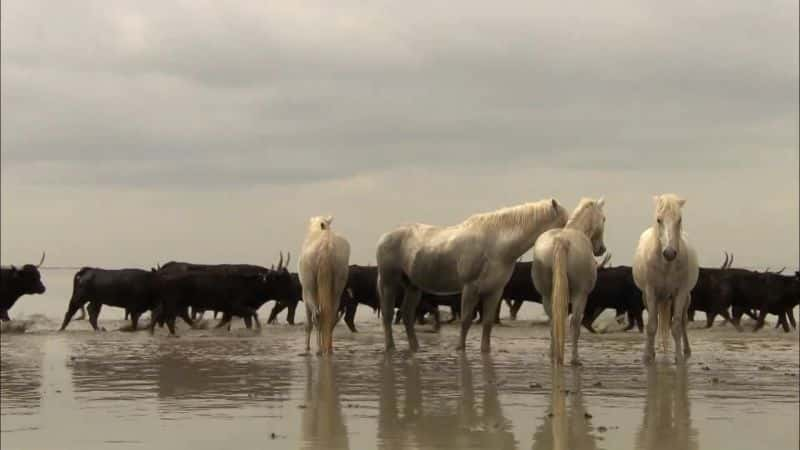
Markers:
(329, 220)
(656, 198)
(601, 202)
(554, 202)
(681, 201)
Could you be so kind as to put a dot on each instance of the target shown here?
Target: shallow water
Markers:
(212, 389)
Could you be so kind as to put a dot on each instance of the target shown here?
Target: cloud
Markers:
(200, 99)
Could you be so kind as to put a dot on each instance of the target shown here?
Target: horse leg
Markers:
(652, 325)
(578, 306)
(469, 299)
(790, 316)
(491, 301)
(676, 324)
(409, 312)
(388, 291)
(309, 319)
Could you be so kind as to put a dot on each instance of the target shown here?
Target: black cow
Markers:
(232, 293)
(131, 289)
(281, 287)
(779, 295)
(14, 283)
(615, 289)
(362, 288)
(290, 301)
(520, 288)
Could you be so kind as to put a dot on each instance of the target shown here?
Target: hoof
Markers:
(576, 362)
(647, 359)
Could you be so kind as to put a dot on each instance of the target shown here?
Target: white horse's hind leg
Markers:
(388, 293)
(410, 303)
(309, 320)
(491, 301)
(469, 299)
(652, 326)
(578, 306)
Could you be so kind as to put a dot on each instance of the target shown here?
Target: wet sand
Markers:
(211, 389)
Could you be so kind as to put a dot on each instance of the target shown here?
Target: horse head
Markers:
(669, 224)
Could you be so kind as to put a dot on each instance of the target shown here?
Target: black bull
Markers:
(615, 289)
(16, 282)
(280, 284)
(131, 289)
(232, 293)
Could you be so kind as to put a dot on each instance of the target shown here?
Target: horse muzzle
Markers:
(669, 253)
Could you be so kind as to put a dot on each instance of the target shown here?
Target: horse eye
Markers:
(659, 220)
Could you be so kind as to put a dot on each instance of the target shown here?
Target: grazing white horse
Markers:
(665, 270)
(475, 258)
(323, 268)
(564, 271)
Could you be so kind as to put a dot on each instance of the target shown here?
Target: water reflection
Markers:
(20, 379)
(566, 428)
(438, 423)
(323, 425)
(187, 376)
(667, 422)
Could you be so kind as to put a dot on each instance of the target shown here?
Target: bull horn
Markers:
(280, 262)
(780, 271)
(730, 263)
(41, 261)
(288, 258)
(725, 263)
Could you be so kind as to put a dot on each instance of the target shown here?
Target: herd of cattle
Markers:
(179, 289)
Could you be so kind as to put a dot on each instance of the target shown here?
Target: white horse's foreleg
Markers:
(409, 311)
(678, 331)
(578, 302)
(652, 325)
(491, 301)
(469, 298)
(687, 351)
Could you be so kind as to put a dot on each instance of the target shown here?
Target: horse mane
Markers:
(510, 216)
(579, 214)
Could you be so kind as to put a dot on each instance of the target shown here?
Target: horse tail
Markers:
(326, 297)
(664, 321)
(560, 298)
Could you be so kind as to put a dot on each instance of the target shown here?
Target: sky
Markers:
(139, 132)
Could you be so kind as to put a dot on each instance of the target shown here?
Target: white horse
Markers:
(665, 270)
(564, 271)
(323, 268)
(475, 258)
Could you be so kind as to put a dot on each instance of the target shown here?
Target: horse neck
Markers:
(582, 223)
(520, 237)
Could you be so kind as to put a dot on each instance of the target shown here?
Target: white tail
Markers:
(664, 324)
(326, 299)
(560, 298)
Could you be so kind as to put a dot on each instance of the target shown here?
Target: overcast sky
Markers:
(208, 131)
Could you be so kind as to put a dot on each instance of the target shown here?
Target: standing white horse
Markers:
(665, 270)
(323, 274)
(564, 271)
(475, 258)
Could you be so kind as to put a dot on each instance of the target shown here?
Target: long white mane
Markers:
(519, 215)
